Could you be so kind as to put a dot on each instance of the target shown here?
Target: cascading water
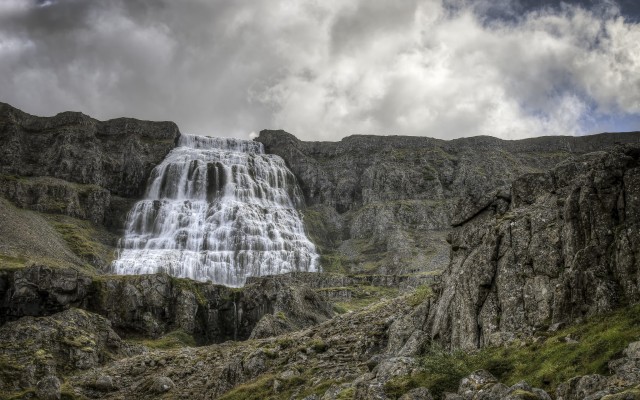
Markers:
(217, 209)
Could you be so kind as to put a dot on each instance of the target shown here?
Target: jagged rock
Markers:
(561, 251)
(476, 382)
(154, 305)
(40, 290)
(395, 366)
(48, 388)
(56, 196)
(406, 337)
(71, 340)
(161, 385)
(370, 390)
(481, 385)
(620, 385)
(104, 383)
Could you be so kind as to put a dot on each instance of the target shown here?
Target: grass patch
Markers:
(263, 388)
(418, 297)
(9, 262)
(335, 262)
(544, 364)
(78, 239)
(172, 340)
(363, 296)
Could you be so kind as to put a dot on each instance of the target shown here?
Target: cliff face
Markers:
(556, 248)
(563, 247)
(83, 175)
(74, 165)
(117, 155)
(381, 204)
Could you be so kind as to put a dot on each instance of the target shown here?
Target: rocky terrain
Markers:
(383, 204)
(537, 241)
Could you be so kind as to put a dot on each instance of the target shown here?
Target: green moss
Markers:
(544, 363)
(420, 295)
(9, 262)
(363, 296)
(171, 340)
(346, 394)
(79, 240)
(280, 315)
(630, 394)
(318, 345)
(335, 262)
(192, 286)
(524, 395)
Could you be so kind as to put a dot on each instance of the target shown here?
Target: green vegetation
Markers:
(545, 362)
(420, 295)
(9, 262)
(80, 236)
(172, 340)
(361, 296)
(319, 346)
(269, 387)
(334, 262)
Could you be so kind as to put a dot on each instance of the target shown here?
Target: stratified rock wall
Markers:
(87, 161)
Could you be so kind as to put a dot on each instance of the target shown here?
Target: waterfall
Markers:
(217, 209)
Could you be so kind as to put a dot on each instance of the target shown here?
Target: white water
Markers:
(217, 209)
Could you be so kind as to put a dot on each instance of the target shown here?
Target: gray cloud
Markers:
(323, 70)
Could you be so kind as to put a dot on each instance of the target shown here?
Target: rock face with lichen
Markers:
(91, 167)
(153, 305)
(558, 247)
(382, 204)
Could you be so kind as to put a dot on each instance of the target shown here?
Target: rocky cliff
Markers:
(73, 168)
(556, 248)
(75, 165)
(381, 204)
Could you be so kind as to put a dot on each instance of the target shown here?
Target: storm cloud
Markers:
(325, 70)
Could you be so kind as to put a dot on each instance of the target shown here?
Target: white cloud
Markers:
(323, 70)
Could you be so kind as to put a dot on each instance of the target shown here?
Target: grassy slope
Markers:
(28, 237)
(545, 362)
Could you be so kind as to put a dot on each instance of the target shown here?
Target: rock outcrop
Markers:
(380, 203)
(559, 247)
(74, 165)
(35, 349)
(153, 305)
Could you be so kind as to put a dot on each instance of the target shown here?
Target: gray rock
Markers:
(48, 388)
(417, 394)
(395, 366)
(545, 259)
(104, 383)
(67, 341)
(161, 384)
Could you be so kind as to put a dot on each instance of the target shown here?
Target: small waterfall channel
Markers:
(217, 209)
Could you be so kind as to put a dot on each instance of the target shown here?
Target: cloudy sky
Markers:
(325, 69)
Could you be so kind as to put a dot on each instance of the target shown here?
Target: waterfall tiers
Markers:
(217, 209)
